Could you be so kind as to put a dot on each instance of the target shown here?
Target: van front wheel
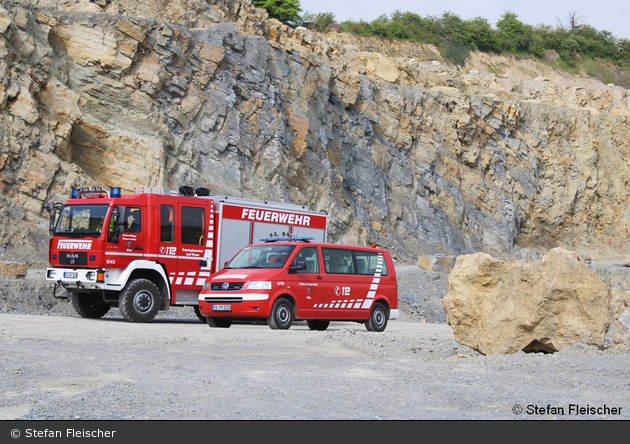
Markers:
(281, 316)
(378, 318)
(218, 322)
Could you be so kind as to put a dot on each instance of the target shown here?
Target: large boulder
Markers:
(497, 307)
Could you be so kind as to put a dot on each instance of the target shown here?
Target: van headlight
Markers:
(259, 285)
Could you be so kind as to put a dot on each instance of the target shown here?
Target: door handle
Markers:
(138, 248)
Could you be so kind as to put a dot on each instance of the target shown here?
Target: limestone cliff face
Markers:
(413, 154)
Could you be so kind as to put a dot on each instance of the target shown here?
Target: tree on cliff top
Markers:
(283, 10)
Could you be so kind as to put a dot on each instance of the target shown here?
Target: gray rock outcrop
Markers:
(415, 155)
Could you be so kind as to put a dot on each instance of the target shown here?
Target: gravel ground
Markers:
(57, 366)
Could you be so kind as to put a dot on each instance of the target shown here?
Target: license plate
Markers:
(70, 274)
(221, 308)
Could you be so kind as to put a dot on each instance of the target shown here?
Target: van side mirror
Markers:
(297, 266)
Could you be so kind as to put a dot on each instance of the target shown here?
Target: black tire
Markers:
(378, 318)
(139, 301)
(282, 315)
(89, 305)
(201, 317)
(317, 324)
(218, 322)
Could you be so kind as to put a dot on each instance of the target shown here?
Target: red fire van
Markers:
(285, 279)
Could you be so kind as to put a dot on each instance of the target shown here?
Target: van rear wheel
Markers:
(139, 301)
(378, 318)
(317, 325)
(89, 305)
(282, 315)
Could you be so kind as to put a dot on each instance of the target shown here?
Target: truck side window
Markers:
(133, 220)
(192, 225)
(167, 223)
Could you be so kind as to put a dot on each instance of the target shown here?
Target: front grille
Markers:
(72, 258)
(232, 286)
(214, 300)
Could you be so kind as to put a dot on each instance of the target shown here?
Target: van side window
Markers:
(192, 225)
(370, 262)
(310, 256)
(338, 261)
(167, 223)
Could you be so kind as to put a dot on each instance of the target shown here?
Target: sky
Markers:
(603, 15)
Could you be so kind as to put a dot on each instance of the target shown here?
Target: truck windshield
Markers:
(261, 256)
(81, 220)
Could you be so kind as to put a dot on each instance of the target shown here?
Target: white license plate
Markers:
(221, 307)
(70, 274)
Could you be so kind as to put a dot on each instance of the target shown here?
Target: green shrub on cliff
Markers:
(283, 10)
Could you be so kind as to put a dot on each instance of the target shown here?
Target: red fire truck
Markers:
(147, 251)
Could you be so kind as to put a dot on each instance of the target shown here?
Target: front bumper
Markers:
(75, 278)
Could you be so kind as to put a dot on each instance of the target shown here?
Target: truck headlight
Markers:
(259, 285)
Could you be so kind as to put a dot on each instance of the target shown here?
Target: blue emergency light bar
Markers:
(287, 239)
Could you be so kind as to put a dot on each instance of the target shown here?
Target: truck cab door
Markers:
(126, 240)
(193, 256)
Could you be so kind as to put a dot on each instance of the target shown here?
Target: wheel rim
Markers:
(378, 318)
(282, 314)
(143, 301)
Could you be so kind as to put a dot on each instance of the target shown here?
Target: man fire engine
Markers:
(146, 251)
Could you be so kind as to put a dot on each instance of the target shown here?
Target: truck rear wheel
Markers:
(139, 301)
(89, 305)
(201, 317)
(281, 316)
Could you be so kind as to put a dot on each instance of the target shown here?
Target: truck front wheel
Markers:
(89, 305)
(139, 301)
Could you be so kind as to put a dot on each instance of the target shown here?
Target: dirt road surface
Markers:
(66, 368)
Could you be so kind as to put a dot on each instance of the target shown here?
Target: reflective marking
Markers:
(189, 281)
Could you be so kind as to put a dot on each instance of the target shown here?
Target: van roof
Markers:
(294, 240)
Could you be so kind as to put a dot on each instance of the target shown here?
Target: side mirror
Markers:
(115, 228)
(297, 266)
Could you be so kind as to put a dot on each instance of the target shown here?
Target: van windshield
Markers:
(261, 256)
